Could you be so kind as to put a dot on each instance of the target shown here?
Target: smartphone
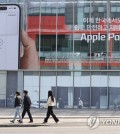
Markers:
(9, 36)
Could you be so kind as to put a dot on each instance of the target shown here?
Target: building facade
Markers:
(78, 43)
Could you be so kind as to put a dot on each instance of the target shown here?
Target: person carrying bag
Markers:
(51, 102)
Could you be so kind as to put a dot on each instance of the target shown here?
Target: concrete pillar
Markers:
(20, 83)
(12, 81)
(2, 88)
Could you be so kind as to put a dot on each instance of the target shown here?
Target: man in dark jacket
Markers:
(18, 104)
(26, 106)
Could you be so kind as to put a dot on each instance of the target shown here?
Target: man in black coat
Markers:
(26, 106)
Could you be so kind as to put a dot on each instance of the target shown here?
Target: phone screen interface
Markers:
(9, 37)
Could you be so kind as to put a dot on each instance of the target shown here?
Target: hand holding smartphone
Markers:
(9, 37)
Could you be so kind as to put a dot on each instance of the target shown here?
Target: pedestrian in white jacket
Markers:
(51, 102)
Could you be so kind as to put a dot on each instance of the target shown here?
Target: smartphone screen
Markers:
(9, 37)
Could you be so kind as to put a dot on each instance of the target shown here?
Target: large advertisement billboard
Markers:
(60, 35)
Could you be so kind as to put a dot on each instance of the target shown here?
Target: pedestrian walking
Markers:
(51, 102)
(26, 106)
(18, 104)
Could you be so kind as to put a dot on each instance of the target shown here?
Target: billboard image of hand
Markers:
(29, 60)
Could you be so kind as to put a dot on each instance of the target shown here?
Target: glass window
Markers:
(31, 84)
(99, 90)
(114, 43)
(114, 90)
(118, 9)
(80, 15)
(113, 9)
(48, 10)
(42, 10)
(3, 1)
(62, 10)
(47, 82)
(100, 9)
(65, 90)
(86, 9)
(53, 10)
(82, 89)
(80, 43)
(37, 10)
(13, 1)
(99, 47)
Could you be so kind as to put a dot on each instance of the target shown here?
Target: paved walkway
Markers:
(6, 112)
(67, 117)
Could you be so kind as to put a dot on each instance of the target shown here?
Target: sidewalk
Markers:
(66, 113)
(70, 117)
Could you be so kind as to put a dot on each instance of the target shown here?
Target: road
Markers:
(61, 130)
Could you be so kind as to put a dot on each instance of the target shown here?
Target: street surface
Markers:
(60, 130)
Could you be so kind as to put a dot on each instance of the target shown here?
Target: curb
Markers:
(65, 124)
(22, 125)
